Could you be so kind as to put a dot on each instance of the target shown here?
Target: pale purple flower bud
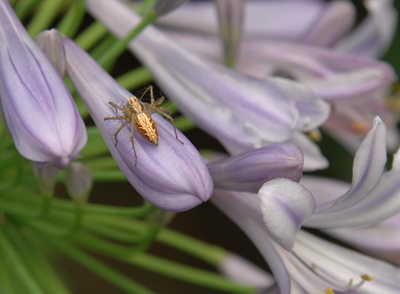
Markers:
(248, 171)
(162, 7)
(79, 182)
(39, 110)
(47, 178)
(53, 48)
(171, 175)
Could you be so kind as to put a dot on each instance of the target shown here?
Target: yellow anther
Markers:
(329, 291)
(366, 278)
(358, 127)
(314, 135)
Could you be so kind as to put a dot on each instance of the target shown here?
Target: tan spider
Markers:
(138, 114)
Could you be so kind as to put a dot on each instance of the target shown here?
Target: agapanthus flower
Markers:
(243, 113)
(172, 176)
(273, 218)
(321, 53)
(39, 111)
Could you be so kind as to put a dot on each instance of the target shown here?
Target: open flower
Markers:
(172, 176)
(336, 66)
(39, 111)
(273, 223)
(243, 113)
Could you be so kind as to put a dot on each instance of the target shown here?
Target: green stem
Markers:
(211, 254)
(163, 266)
(30, 204)
(109, 176)
(116, 50)
(183, 124)
(100, 269)
(135, 78)
(90, 36)
(13, 257)
(77, 224)
(186, 273)
(46, 206)
(37, 263)
(44, 16)
(24, 7)
(72, 19)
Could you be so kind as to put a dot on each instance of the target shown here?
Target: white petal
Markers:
(368, 167)
(285, 205)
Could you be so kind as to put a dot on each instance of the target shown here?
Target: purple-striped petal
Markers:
(250, 170)
(39, 111)
(285, 206)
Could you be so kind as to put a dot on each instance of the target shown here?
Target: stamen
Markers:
(314, 135)
(358, 127)
(331, 280)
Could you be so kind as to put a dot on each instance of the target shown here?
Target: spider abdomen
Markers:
(146, 127)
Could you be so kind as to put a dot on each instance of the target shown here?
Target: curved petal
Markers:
(373, 36)
(369, 164)
(333, 266)
(382, 240)
(243, 209)
(172, 175)
(244, 272)
(285, 206)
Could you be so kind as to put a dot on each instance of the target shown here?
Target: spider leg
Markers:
(119, 130)
(132, 135)
(115, 106)
(170, 119)
(114, 118)
(149, 88)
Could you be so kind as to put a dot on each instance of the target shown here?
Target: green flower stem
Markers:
(99, 268)
(37, 263)
(114, 233)
(183, 124)
(116, 50)
(12, 256)
(72, 19)
(164, 267)
(95, 146)
(145, 6)
(24, 7)
(103, 164)
(7, 284)
(211, 254)
(102, 47)
(46, 206)
(77, 224)
(44, 16)
(90, 36)
(109, 176)
(186, 273)
(135, 78)
(27, 205)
